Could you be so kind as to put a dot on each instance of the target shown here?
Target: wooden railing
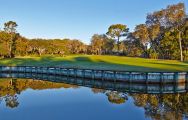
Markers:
(103, 84)
(108, 75)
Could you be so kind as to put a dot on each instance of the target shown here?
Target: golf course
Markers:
(100, 62)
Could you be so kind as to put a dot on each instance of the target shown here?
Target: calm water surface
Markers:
(28, 99)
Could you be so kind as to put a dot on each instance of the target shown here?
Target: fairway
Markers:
(117, 63)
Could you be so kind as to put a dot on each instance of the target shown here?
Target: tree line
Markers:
(164, 35)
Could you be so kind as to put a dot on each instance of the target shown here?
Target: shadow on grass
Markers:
(181, 66)
(87, 63)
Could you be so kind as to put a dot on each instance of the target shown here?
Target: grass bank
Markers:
(100, 62)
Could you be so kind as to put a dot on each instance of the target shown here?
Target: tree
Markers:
(176, 18)
(76, 47)
(38, 46)
(116, 32)
(10, 27)
(154, 32)
(173, 17)
(141, 33)
(22, 46)
(169, 45)
(101, 44)
(98, 44)
(134, 46)
(185, 40)
(4, 44)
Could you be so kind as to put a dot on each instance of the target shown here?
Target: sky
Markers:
(76, 19)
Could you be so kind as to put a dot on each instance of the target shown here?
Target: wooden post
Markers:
(10, 71)
(175, 81)
(130, 77)
(53, 70)
(75, 73)
(146, 82)
(93, 78)
(115, 77)
(30, 69)
(67, 72)
(102, 75)
(83, 73)
(161, 82)
(37, 70)
(92, 74)
(93, 82)
(42, 70)
(161, 78)
(130, 81)
(25, 69)
(60, 71)
(146, 76)
(47, 70)
(56, 70)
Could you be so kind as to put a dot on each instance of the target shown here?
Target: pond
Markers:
(48, 97)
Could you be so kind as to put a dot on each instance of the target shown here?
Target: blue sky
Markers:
(76, 19)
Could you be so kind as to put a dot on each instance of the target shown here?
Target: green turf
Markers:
(99, 62)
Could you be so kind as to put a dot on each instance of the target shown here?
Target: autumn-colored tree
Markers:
(141, 33)
(171, 18)
(164, 36)
(97, 43)
(134, 47)
(4, 44)
(10, 27)
(117, 31)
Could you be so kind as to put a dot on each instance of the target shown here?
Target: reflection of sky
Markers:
(76, 18)
(69, 104)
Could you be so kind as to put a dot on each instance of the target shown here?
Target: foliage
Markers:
(163, 36)
(116, 32)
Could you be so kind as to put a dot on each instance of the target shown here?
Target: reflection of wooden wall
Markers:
(104, 84)
(123, 76)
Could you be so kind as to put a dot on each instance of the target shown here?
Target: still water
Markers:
(33, 99)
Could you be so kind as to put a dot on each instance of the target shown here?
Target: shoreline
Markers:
(107, 75)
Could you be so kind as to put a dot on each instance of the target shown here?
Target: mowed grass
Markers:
(100, 62)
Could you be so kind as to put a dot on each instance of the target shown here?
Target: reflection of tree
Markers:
(11, 101)
(96, 90)
(166, 106)
(113, 96)
(1, 99)
(10, 88)
(116, 97)
(14, 85)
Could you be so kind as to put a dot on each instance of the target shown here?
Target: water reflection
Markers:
(11, 101)
(165, 106)
(10, 88)
(155, 106)
(104, 84)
